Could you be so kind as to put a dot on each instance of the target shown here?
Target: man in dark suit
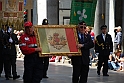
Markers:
(2, 32)
(81, 63)
(9, 51)
(45, 59)
(103, 48)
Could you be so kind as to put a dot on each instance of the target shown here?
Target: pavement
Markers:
(62, 73)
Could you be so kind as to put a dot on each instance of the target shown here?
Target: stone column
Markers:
(53, 11)
(39, 11)
(111, 18)
(107, 13)
(98, 17)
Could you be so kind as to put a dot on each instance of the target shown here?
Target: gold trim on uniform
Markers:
(100, 44)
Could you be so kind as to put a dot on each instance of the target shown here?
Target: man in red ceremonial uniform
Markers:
(33, 64)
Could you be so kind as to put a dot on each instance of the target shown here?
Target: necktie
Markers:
(82, 37)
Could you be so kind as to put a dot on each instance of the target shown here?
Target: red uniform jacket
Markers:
(28, 44)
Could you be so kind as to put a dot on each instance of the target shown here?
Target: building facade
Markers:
(11, 13)
(58, 12)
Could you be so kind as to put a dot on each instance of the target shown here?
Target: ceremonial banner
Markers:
(11, 13)
(57, 39)
(83, 10)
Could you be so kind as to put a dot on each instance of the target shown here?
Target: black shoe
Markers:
(115, 69)
(98, 72)
(16, 77)
(7, 78)
(45, 77)
(10, 76)
(105, 75)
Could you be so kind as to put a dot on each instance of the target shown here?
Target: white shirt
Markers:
(3, 31)
(103, 35)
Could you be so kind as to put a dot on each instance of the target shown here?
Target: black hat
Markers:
(103, 27)
(11, 25)
(45, 22)
(81, 23)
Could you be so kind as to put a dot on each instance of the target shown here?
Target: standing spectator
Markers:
(81, 63)
(10, 39)
(103, 48)
(45, 59)
(33, 64)
(92, 53)
(9, 51)
(89, 30)
(4, 46)
(19, 53)
(118, 39)
(2, 32)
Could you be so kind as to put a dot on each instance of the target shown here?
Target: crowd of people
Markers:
(116, 62)
(22, 44)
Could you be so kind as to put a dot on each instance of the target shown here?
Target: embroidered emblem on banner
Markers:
(57, 41)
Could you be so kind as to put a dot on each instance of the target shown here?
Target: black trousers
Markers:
(103, 61)
(10, 62)
(33, 68)
(45, 65)
(1, 63)
(7, 64)
(12, 66)
(80, 73)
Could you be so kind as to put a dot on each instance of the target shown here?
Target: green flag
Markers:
(83, 10)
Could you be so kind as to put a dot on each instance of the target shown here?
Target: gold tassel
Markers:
(74, 13)
(102, 16)
(102, 9)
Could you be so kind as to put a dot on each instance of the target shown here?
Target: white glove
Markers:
(10, 40)
(3, 31)
(111, 53)
(97, 54)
